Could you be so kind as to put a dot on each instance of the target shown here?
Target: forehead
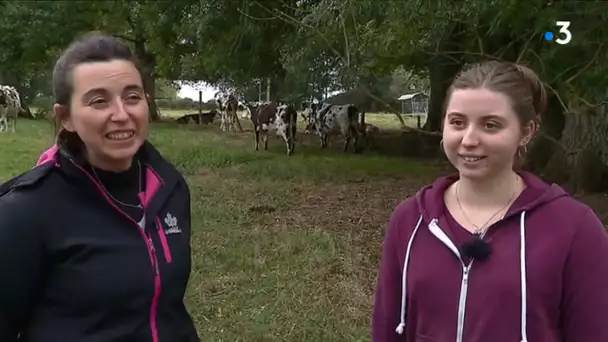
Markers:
(114, 74)
(479, 102)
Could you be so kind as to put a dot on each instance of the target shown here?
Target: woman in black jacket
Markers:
(95, 240)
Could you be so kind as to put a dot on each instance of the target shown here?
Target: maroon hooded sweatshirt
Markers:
(545, 280)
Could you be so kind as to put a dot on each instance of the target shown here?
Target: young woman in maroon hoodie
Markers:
(491, 254)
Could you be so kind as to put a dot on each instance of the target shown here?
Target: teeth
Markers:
(120, 135)
(471, 159)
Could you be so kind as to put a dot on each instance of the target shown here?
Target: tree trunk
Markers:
(268, 87)
(442, 69)
(154, 110)
(148, 64)
(585, 155)
(544, 144)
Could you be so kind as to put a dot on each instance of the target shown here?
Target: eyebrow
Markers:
(129, 87)
(484, 117)
(133, 87)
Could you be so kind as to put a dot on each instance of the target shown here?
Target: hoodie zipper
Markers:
(151, 252)
(464, 283)
(462, 302)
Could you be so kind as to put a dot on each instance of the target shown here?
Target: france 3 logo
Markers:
(565, 36)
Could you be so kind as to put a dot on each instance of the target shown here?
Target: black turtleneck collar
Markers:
(123, 187)
(111, 179)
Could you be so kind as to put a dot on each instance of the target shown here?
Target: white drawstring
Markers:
(401, 325)
(522, 260)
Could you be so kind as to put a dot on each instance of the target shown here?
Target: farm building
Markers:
(414, 103)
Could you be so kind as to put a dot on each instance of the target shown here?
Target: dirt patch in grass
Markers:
(355, 214)
(293, 250)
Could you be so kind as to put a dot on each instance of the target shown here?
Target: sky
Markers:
(188, 91)
(191, 92)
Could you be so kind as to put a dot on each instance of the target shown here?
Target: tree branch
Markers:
(293, 20)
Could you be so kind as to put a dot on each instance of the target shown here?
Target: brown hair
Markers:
(519, 83)
(90, 47)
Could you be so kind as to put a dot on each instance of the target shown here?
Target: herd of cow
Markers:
(266, 117)
(281, 119)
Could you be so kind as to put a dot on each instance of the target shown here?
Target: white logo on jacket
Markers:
(171, 223)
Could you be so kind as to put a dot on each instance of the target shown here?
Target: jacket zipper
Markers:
(151, 251)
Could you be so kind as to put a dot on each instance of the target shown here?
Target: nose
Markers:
(470, 137)
(120, 112)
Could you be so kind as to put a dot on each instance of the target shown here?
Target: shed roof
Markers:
(408, 96)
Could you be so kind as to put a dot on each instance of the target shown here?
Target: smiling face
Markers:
(482, 133)
(109, 112)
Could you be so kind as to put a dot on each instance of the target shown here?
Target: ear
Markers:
(60, 113)
(528, 132)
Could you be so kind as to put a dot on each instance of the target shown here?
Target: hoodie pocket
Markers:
(425, 338)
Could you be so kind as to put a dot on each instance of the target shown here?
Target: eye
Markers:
(98, 102)
(133, 98)
(492, 126)
(457, 122)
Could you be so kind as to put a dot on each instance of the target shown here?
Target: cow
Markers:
(336, 118)
(247, 108)
(309, 109)
(10, 106)
(228, 106)
(282, 119)
(207, 118)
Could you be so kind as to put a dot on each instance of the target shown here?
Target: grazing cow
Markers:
(205, 118)
(282, 119)
(228, 105)
(10, 106)
(309, 110)
(371, 130)
(340, 118)
(248, 108)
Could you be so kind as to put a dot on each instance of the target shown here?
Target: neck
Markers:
(113, 166)
(490, 192)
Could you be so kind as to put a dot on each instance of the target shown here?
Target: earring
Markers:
(522, 151)
(441, 145)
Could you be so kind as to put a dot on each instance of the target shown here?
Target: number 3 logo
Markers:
(563, 28)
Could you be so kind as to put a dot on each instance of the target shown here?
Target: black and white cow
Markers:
(195, 118)
(270, 118)
(342, 119)
(10, 106)
(228, 106)
(308, 109)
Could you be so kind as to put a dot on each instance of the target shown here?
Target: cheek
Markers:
(506, 141)
(451, 140)
(87, 125)
(140, 113)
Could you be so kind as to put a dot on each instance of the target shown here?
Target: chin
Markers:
(478, 174)
(473, 174)
(121, 153)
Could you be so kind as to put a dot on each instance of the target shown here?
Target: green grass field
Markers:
(284, 248)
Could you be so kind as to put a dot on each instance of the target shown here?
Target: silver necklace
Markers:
(479, 230)
(139, 206)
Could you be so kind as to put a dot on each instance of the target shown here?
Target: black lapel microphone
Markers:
(476, 249)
